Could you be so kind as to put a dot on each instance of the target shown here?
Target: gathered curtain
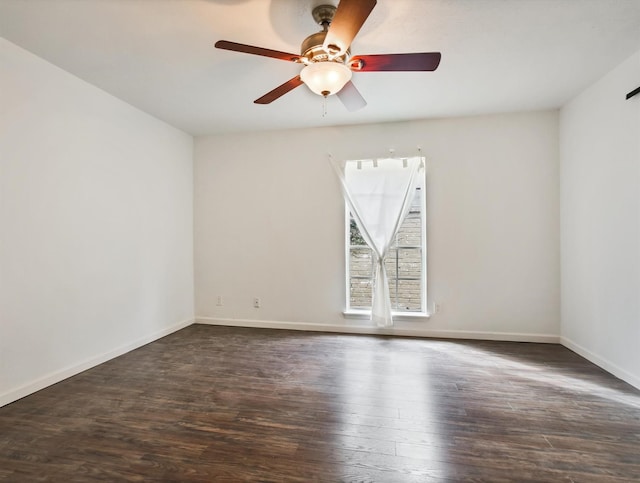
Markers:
(379, 194)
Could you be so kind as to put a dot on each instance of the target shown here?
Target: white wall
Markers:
(269, 224)
(600, 213)
(96, 225)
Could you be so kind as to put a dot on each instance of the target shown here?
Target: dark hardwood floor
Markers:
(232, 404)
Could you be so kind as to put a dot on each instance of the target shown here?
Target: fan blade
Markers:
(424, 61)
(347, 21)
(351, 97)
(279, 91)
(250, 49)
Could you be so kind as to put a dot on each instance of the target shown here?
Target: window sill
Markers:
(405, 316)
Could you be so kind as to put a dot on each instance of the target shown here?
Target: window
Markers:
(405, 263)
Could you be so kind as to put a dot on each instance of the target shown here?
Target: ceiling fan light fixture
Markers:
(327, 56)
(326, 78)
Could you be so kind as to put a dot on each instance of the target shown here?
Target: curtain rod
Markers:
(392, 152)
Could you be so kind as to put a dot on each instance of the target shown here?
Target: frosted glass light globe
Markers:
(326, 78)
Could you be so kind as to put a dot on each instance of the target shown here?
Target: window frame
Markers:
(364, 313)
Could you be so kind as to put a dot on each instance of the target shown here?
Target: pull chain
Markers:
(324, 106)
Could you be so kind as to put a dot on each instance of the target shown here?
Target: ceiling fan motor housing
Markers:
(312, 47)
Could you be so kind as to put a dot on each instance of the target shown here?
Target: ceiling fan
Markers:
(327, 57)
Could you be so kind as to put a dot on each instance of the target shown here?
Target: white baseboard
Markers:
(372, 330)
(602, 362)
(67, 372)
(57, 376)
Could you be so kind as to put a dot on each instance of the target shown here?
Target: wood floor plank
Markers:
(236, 404)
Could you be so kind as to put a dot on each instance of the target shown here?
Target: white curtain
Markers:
(379, 194)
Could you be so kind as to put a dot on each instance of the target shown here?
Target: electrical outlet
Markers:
(437, 308)
(256, 302)
(219, 301)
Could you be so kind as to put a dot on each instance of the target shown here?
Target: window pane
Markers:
(409, 295)
(360, 262)
(409, 262)
(355, 237)
(410, 233)
(403, 265)
(360, 293)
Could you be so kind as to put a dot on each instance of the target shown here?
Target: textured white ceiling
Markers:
(158, 55)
